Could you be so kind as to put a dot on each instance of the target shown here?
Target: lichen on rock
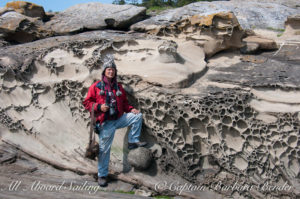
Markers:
(27, 8)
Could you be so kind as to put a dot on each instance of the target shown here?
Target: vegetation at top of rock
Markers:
(157, 9)
(276, 29)
(26, 8)
(156, 6)
(18, 4)
(125, 192)
(163, 197)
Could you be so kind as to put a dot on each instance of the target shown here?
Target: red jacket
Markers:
(94, 96)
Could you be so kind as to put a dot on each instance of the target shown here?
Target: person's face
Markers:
(110, 73)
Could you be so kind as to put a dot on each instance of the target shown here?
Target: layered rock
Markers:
(213, 33)
(249, 14)
(95, 16)
(23, 22)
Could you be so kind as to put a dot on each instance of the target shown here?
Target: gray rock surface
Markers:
(288, 3)
(249, 14)
(95, 16)
(282, 64)
(140, 158)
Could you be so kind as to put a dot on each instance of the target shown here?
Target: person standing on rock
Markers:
(112, 112)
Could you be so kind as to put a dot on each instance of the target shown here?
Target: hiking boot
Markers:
(102, 181)
(136, 145)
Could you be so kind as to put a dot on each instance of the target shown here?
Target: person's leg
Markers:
(135, 120)
(106, 137)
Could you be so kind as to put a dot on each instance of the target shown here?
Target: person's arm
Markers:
(126, 107)
(91, 99)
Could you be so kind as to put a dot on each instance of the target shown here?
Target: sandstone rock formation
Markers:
(18, 28)
(292, 25)
(208, 118)
(249, 14)
(149, 64)
(213, 32)
(215, 131)
(95, 16)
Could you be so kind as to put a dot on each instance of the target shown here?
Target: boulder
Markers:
(250, 48)
(249, 14)
(26, 8)
(11, 21)
(95, 16)
(140, 158)
(19, 28)
(253, 44)
(168, 52)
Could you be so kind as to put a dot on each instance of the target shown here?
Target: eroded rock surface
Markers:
(212, 32)
(208, 118)
(214, 131)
